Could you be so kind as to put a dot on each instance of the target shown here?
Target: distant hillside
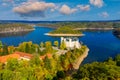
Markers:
(24, 21)
(15, 27)
(92, 25)
(83, 25)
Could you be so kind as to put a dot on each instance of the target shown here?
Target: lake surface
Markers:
(101, 44)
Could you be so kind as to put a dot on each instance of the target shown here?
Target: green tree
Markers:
(11, 49)
(17, 76)
(39, 73)
(27, 48)
(117, 59)
(62, 45)
(5, 49)
(47, 63)
(7, 75)
(60, 74)
(1, 45)
(35, 60)
(48, 46)
(41, 44)
(56, 43)
(12, 64)
(1, 66)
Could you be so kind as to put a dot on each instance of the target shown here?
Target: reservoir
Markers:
(102, 44)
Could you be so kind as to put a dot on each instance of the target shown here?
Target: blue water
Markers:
(101, 44)
(35, 36)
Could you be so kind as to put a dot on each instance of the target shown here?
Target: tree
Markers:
(47, 63)
(60, 74)
(41, 44)
(39, 73)
(27, 48)
(56, 43)
(1, 45)
(62, 45)
(12, 64)
(7, 75)
(117, 59)
(48, 46)
(35, 60)
(11, 49)
(1, 66)
(5, 49)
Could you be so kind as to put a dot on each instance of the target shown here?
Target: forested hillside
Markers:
(107, 70)
(82, 24)
(14, 27)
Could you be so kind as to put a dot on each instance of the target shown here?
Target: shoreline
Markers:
(93, 28)
(80, 59)
(25, 30)
(48, 27)
(59, 35)
(106, 28)
(81, 28)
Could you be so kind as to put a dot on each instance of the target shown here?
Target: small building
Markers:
(17, 55)
(21, 56)
(71, 40)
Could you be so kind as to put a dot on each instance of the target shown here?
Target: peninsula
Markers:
(69, 38)
(15, 27)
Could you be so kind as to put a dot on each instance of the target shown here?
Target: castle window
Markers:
(67, 39)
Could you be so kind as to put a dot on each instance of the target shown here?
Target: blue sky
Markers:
(59, 10)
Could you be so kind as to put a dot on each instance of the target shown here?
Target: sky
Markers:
(60, 10)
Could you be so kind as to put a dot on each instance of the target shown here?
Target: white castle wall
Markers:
(71, 42)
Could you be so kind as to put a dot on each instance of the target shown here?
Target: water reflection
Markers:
(14, 34)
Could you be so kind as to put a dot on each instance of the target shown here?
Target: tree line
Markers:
(107, 70)
(66, 30)
(53, 68)
(12, 26)
(82, 24)
(58, 66)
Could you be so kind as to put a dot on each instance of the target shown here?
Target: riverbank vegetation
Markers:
(15, 27)
(82, 24)
(107, 70)
(49, 68)
(65, 30)
(57, 67)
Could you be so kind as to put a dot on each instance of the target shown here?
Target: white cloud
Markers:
(32, 9)
(4, 4)
(98, 3)
(104, 14)
(66, 10)
(84, 7)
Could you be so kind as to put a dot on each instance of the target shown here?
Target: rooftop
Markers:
(21, 55)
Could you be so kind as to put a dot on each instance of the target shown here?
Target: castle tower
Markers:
(71, 42)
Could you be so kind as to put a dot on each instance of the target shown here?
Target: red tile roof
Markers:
(48, 55)
(4, 59)
(16, 55)
(19, 55)
(25, 55)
